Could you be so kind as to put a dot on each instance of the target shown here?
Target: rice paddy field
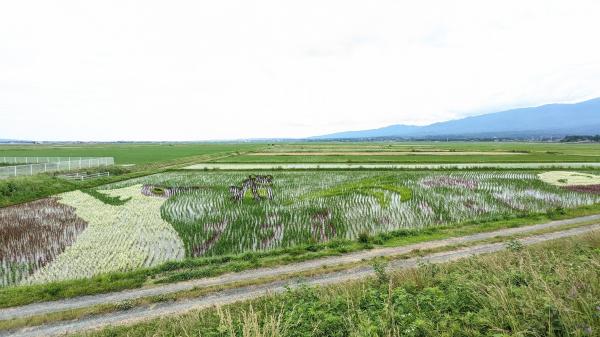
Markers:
(172, 216)
(419, 152)
(322, 152)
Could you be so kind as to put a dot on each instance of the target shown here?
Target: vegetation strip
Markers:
(79, 313)
(241, 294)
(86, 301)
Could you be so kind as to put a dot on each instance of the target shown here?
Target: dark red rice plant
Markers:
(33, 234)
(593, 189)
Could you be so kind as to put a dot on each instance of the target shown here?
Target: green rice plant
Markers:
(107, 199)
(372, 186)
(320, 206)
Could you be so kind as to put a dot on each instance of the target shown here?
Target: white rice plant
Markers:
(118, 238)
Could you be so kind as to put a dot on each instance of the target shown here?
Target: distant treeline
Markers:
(569, 139)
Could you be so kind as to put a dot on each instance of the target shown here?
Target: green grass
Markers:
(107, 199)
(23, 189)
(212, 266)
(126, 153)
(544, 290)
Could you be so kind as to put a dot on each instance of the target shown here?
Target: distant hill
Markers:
(576, 139)
(13, 141)
(552, 120)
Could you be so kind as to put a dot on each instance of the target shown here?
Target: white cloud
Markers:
(189, 70)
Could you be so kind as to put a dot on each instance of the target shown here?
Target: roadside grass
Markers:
(548, 289)
(150, 300)
(212, 266)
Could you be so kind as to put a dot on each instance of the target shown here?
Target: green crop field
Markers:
(331, 152)
(171, 216)
(420, 152)
(125, 153)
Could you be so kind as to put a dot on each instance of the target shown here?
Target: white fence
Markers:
(83, 176)
(39, 160)
(50, 164)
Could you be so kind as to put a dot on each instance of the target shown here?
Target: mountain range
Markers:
(14, 141)
(551, 120)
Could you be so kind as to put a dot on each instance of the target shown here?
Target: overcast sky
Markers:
(196, 70)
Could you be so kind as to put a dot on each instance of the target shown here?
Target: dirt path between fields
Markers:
(108, 298)
(250, 292)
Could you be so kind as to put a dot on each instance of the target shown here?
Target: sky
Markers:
(230, 69)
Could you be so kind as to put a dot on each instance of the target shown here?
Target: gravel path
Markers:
(245, 293)
(87, 301)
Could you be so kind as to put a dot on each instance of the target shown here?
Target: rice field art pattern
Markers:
(147, 221)
(32, 235)
(566, 178)
(118, 238)
(311, 207)
(573, 181)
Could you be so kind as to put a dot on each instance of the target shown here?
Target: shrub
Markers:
(364, 238)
